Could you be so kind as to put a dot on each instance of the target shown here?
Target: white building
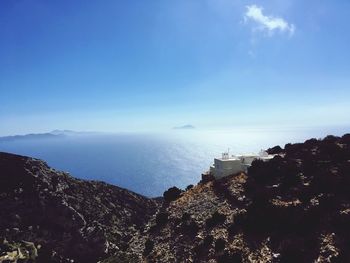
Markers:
(228, 165)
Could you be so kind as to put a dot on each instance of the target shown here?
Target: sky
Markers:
(152, 65)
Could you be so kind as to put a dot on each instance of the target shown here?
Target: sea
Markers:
(150, 163)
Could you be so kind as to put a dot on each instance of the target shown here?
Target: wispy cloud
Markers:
(267, 23)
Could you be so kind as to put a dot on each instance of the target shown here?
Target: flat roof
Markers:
(227, 159)
(248, 155)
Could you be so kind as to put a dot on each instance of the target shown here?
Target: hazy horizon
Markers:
(149, 163)
(318, 131)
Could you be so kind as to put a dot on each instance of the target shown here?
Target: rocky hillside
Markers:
(50, 216)
(294, 208)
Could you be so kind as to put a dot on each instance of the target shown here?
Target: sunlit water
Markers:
(151, 163)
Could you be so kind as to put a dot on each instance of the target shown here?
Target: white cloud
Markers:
(267, 23)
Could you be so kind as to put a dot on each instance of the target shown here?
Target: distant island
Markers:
(47, 135)
(292, 208)
(30, 136)
(184, 127)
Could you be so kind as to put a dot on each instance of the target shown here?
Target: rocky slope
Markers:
(294, 208)
(59, 218)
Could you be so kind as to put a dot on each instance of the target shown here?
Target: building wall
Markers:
(224, 168)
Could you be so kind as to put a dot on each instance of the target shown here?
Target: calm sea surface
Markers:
(151, 163)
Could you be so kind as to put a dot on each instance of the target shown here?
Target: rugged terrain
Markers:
(53, 217)
(294, 208)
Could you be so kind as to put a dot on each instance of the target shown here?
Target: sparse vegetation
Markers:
(149, 244)
(219, 245)
(228, 257)
(294, 197)
(162, 218)
(172, 194)
(275, 150)
(189, 187)
(203, 246)
(215, 219)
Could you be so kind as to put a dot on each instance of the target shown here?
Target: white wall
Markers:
(224, 168)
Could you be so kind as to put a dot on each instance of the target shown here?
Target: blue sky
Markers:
(151, 65)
